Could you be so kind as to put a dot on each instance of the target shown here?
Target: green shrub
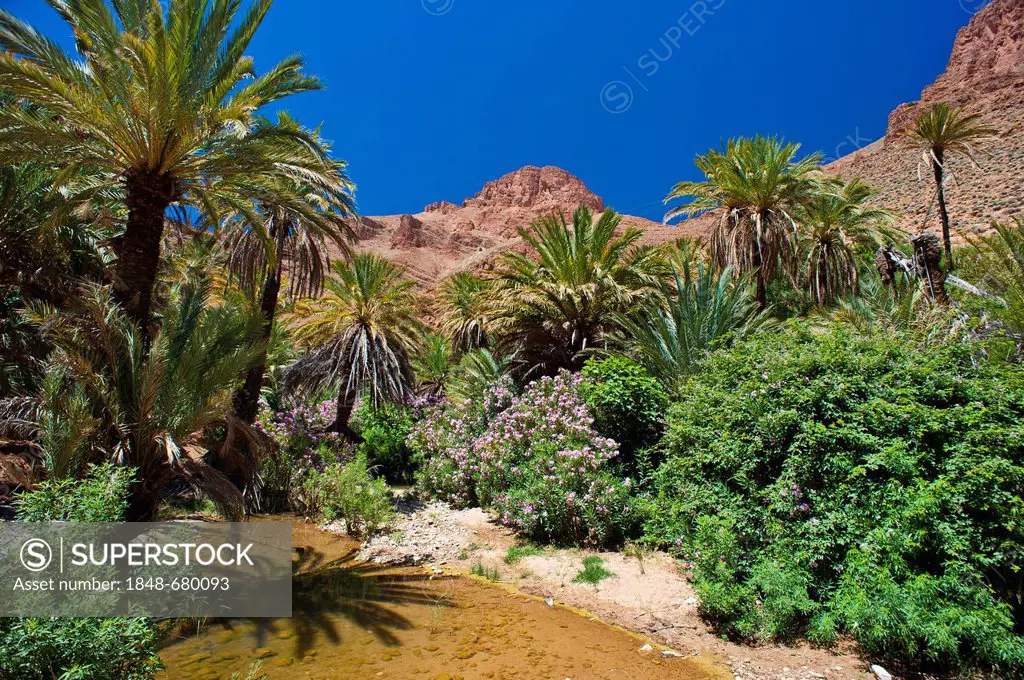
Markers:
(101, 496)
(628, 404)
(384, 429)
(349, 492)
(826, 484)
(78, 649)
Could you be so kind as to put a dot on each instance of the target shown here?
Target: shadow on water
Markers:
(329, 587)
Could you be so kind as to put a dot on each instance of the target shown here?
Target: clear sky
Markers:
(429, 99)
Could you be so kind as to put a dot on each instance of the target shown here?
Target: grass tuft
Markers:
(518, 552)
(593, 571)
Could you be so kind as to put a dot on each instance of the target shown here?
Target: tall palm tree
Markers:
(154, 104)
(939, 132)
(701, 311)
(754, 185)
(287, 237)
(466, 311)
(553, 309)
(836, 221)
(362, 335)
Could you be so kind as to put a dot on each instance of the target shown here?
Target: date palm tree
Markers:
(161, 104)
(106, 395)
(940, 132)
(362, 335)
(754, 186)
(466, 311)
(561, 299)
(287, 238)
(835, 222)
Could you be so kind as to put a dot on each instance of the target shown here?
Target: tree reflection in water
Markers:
(329, 587)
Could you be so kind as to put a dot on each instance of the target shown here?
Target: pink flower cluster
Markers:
(534, 458)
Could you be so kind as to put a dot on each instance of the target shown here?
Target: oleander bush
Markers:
(442, 444)
(825, 484)
(304, 443)
(538, 462)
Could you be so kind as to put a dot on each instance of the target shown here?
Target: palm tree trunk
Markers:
(937, 168)
(247, 398)
(138, 249)
(346, 404)
(762, 284)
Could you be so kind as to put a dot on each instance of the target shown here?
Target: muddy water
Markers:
(356, 620)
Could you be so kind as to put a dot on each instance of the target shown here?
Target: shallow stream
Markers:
(357, 620)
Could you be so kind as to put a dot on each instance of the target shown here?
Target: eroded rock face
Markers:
(985, 75)
(989, 49)
(540, 189)
(446, 237)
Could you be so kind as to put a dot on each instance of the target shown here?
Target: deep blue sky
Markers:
(429, 99)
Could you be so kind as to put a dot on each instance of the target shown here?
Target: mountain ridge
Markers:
(985, 74)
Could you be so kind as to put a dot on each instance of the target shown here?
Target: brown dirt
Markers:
(656, 601)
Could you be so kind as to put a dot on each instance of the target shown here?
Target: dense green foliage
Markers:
(384, 429)
(101, 496)
(826, 484)
(348, 492)
(628, 404)
(78, 649)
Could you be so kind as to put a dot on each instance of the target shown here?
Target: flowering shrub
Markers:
(443, 444)
(544, 468)
(304, 444)
(533, 458)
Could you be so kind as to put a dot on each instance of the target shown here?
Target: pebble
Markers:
(670, 654)
(647, 648)
(880, 672)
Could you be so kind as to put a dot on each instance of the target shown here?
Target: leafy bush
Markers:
(442, 444)
(349, 492)
(78, 649)
(628, 404)
(538, 463)
(384, 429)
(823, 483)
(101, 496)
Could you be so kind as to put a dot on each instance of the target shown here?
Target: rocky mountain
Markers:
(445, 238)
(985, 74)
